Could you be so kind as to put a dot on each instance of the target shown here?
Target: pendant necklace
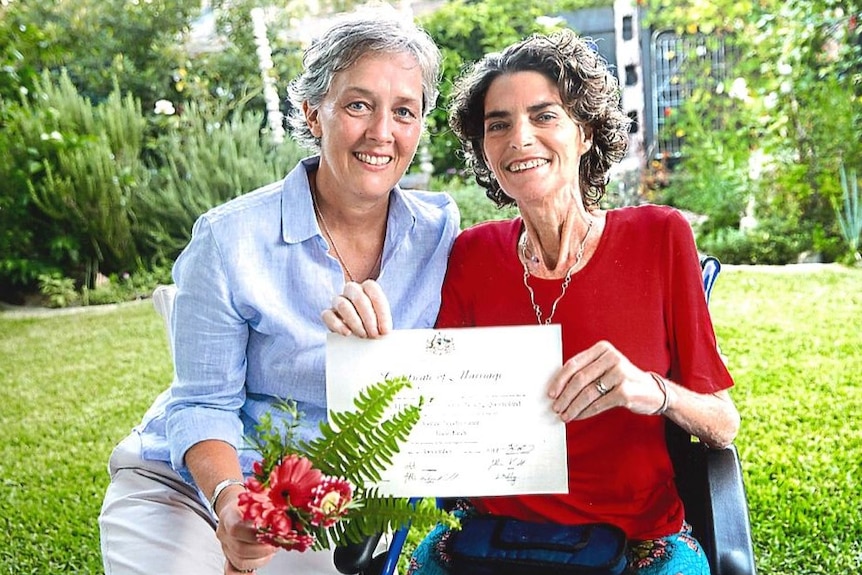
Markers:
(331, 241)
(566, 281)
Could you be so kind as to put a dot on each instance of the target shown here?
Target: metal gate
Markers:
(671, 55)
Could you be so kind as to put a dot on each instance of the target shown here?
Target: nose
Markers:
(522, 135)
(380, 126)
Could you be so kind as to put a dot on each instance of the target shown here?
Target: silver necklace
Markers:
(566, 281)
(331, 241)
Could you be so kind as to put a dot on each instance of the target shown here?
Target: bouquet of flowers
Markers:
(313, 494)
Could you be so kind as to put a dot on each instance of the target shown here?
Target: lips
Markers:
(527, 165)
(373, 160)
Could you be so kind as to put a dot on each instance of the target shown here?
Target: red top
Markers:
(642, 291)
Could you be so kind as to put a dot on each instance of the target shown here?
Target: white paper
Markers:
(486, 428)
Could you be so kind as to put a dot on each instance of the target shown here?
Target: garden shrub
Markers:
(200, 159)
(472, 202)
(771, 242)
(71, 167)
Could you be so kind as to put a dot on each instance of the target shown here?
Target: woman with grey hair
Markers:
(251, 286)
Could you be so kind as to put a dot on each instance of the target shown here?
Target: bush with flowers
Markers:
(313, 494)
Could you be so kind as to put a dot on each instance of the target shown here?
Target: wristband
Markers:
(222, 485)
(662, 385)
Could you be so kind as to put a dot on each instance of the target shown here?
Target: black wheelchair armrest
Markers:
(355, 558)
(728, 532)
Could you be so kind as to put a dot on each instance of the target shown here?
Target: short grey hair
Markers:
(380, 29)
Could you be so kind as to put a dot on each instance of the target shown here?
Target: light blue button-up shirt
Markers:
(251, 285)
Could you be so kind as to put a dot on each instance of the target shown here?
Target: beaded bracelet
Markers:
(662, 385)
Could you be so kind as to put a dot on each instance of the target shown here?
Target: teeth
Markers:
(374, 160)
(521, 166)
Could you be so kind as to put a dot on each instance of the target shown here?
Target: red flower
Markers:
(290, 540)
(282, 531)
(292, 481)
(255, 502)
(331, 501)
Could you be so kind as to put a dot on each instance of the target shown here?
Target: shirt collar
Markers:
(299, 223)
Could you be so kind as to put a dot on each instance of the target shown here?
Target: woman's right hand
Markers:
(361, 310)
(243, 552)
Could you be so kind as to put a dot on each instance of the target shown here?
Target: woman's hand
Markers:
(361, 310)
(601, 378)
(243, 552)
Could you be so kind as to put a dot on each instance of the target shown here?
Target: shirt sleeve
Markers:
(697, 363)
(210, 339)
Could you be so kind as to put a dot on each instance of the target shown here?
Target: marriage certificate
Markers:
(486, 427)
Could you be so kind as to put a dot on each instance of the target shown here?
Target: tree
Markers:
(99, 42)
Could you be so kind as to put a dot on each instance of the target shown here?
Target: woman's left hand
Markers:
(361, 310)
(601, 378)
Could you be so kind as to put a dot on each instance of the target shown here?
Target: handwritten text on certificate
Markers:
(486, 427)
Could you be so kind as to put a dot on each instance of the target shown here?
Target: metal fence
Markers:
(674, 59)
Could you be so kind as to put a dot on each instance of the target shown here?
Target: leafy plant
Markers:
(59, 290)
(358, 446)
(472, 202)
(791, 102)
(850, 214)
(208, 155)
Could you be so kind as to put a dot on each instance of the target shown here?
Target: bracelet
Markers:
(662, 385)
(222, 485)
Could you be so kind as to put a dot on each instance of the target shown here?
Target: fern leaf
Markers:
(383, 514)
(363, 444)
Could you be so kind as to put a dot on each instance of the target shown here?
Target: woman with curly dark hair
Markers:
(540, 125)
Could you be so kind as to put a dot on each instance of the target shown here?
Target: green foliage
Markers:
(363, 440)
(208, 155)
(472, 202)
(59, 290)
(126, 287)
(88, 189)
(772, 242)
(98, 41)
(89, 180)
(791, 105)
(357, 446)
(70, 168)
(850, 212)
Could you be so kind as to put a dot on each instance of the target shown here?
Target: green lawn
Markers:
(72, 385)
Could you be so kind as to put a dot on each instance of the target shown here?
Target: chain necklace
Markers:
(331, 241)
(566, 281)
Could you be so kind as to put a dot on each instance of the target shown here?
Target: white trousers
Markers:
(152, 522)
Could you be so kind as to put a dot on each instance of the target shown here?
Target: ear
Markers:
(587, 137)
(312, 118)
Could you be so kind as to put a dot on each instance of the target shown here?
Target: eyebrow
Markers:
(538, 107)
(365, 93)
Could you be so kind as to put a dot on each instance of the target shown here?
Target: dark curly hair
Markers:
(590, 94)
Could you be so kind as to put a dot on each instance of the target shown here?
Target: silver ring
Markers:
(600, 387)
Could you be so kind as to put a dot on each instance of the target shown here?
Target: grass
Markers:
(72, 385)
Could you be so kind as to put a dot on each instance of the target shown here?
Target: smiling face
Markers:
(369, 125)
(531, 144)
